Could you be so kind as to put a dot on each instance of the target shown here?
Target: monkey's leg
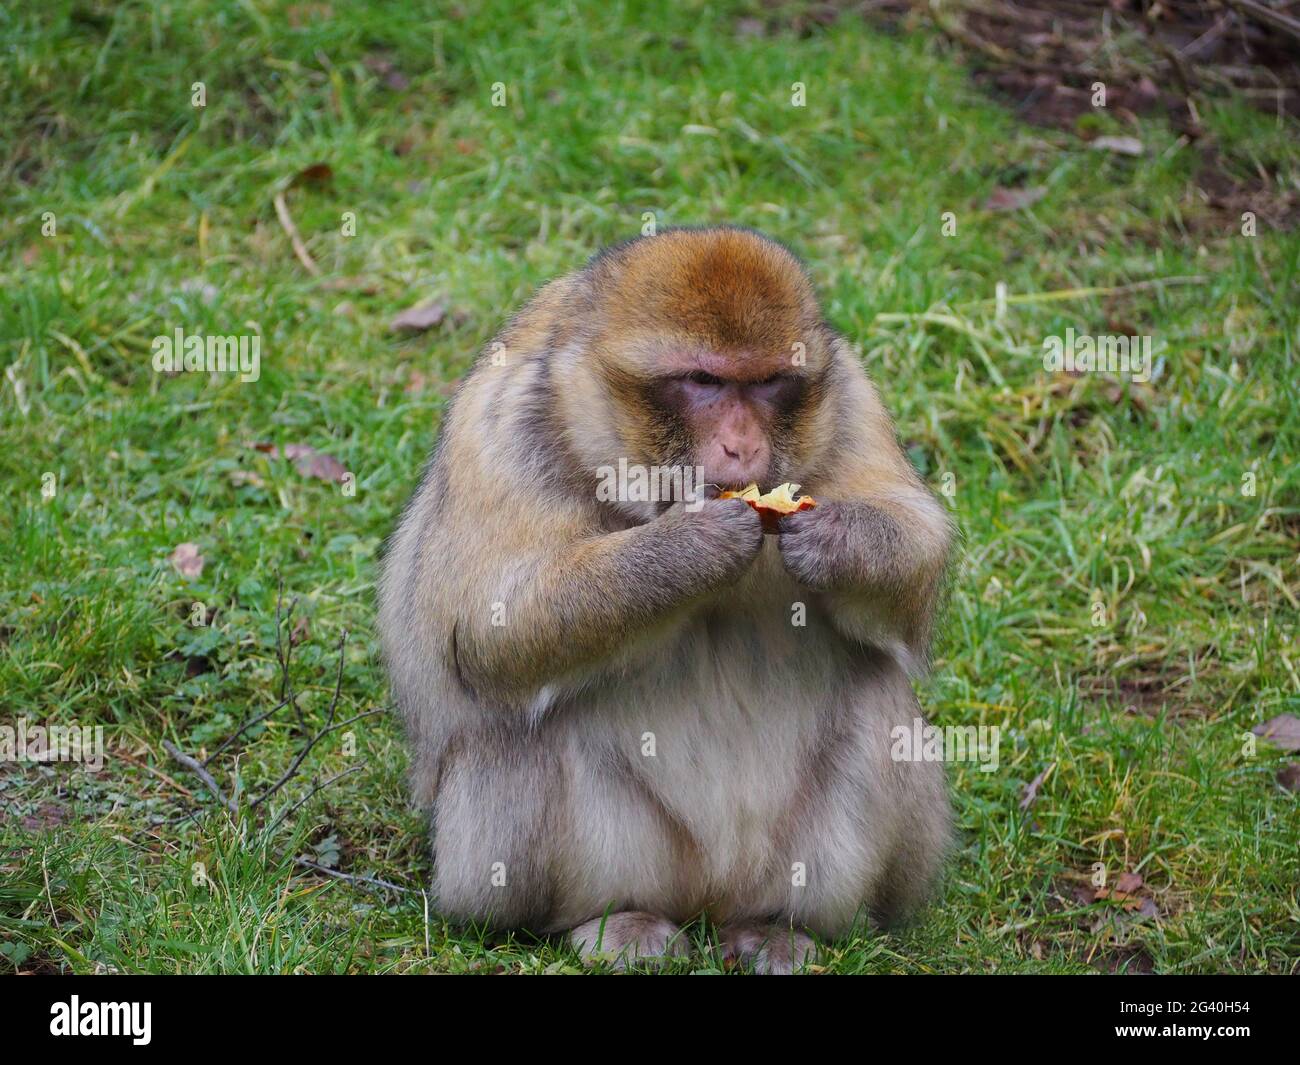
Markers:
(491, 851)
(772, 949)
(913, 867)
(629, 938)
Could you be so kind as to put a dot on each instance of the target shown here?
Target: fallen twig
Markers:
(355, 878)
(197, 769)
(299, 248)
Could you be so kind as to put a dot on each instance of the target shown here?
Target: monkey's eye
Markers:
(699, 377)
(769, 386)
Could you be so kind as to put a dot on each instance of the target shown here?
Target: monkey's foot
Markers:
(772, 949)
(629, 938)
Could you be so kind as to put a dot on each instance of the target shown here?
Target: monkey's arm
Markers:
(877, 544)
(556, 614)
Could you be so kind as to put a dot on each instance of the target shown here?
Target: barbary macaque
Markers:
(630, 713)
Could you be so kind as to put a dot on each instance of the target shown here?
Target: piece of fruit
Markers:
(774, 505)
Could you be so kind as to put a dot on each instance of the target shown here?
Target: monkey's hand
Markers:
(716, 543)
(841, 547)
(879, 571)
(577, 604)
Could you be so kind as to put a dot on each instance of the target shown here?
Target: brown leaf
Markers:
(45, 817)
(387, 72)
(1289, 776)
(186, 560)
(1003, 199)
(312, 463)
(301, 631)
(419, 318)
(1283, 730)
(1082, 894)
(1128, 882)
(307, 460)
(1129, 901)
(316, 174)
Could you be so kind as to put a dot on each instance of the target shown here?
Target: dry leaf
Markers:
(1014, 199)
(419, 318)
(383, 67)
(307, 460)
(186, 560)
(316, 174)
(1082, 894)
(1283, 731)
(1128, 882)
(312, 463)
(321, 466)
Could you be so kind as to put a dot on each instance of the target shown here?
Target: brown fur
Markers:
(618, 620)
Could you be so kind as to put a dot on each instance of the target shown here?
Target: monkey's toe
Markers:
(772, 949)
(629, 938)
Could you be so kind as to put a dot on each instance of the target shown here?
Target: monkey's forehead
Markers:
(658, 352)
(723, 294)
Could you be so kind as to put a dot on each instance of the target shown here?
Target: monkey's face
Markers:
(714, 349)
(730, 418)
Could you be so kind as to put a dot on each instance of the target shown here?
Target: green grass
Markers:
(1069, 491)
